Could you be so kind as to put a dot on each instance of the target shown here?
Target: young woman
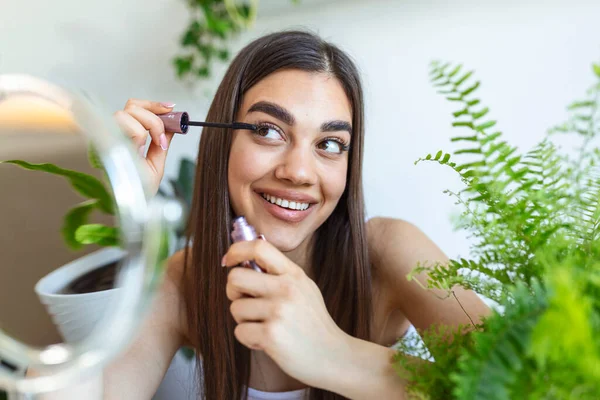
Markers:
(335, 294)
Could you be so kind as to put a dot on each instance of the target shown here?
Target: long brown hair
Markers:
(339, 249)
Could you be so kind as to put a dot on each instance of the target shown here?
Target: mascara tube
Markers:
(242, 231)
(176, 122)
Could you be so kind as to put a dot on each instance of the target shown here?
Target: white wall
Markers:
(533, 57)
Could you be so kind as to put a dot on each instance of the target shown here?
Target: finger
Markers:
(132, 128)
(243, 282)
(152, 123)
(250, 334)
(154, 107)
(157, 157)
(263, 253)
(251, 310)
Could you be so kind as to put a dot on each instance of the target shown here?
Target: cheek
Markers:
(246, 166)
(334, 183)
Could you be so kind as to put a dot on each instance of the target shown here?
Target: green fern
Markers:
(491, 370)
(535, 218)
(429, 380)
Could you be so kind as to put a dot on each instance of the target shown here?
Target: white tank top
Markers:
(300, 394)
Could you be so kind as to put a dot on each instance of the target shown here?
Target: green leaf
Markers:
(468, 151)
(86, 185)
(490, 138)
(183, 65)
(463, 78)
(75, 218)
(223, 55)
(470, 90)
(203, 72)
(443, 67)
(98, 234)
(597, 70)
(438, 155)
(93, 157)
(461, 112)
(464, 138)
(480, 113)
(454, 71)
(581, 104)
(463, 123)
(485, 125)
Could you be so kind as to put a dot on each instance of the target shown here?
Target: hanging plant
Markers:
(213, 24)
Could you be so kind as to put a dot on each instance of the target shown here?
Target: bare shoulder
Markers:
(396, 247)
(400, 241)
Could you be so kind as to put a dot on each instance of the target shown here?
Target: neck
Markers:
(301, 256)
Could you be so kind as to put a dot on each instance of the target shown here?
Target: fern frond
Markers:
(490, 369)
(429, 380)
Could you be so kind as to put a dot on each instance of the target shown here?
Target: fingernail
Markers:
(141, 151)
(224, 261)
(163, 142)
(168, 105)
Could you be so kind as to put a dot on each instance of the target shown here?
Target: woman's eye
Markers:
(332, 146)
(268, 132)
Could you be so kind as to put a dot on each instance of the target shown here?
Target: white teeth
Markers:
(293, 205)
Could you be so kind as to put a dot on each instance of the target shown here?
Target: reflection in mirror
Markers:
(57, 241)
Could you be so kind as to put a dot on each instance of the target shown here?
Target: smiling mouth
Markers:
(287, 204)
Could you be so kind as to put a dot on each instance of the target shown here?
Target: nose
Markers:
(297, 166)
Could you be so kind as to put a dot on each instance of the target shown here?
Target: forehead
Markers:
(314, 95)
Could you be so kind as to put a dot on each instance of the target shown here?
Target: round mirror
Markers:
(82, 244)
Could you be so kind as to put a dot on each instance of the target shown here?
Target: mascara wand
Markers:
(179, 122)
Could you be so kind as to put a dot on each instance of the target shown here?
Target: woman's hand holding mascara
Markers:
(138, 119)
(285, 316)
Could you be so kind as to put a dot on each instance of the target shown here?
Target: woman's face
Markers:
(288, 177)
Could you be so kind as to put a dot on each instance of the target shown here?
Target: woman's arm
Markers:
(396, 248)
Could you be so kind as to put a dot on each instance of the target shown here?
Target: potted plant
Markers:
(76, 293)
(535, 221)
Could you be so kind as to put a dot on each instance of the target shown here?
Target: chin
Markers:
(285, 240)
(284, 244)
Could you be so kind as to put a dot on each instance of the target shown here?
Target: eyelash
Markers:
(344, 145)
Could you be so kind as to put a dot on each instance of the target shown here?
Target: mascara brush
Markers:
(179, 122)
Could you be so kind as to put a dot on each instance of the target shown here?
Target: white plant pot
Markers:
(75, 315)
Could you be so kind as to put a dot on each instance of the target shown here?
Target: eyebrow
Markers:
(284, 115)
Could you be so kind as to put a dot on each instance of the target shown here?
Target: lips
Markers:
(287, 214)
